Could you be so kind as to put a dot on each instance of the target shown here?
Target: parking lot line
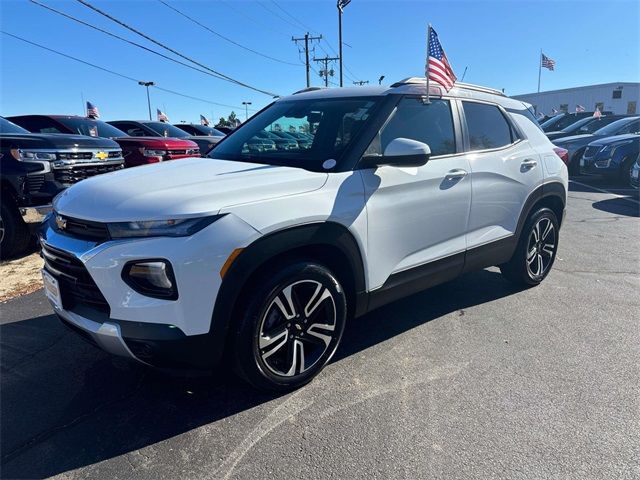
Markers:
(622, 197)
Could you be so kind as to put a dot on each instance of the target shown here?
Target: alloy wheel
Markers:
(297, 328)
(541, 247)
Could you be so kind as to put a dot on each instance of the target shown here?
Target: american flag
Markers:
(579, 108)
(546, 62)
(161, 116)
(438, 68)
(597, 113)
(204, 121)
(92, 111)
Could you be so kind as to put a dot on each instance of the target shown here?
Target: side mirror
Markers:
(400, 152)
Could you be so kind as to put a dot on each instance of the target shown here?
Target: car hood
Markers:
(615, 139)
(56, 141)
(190, 187)
(162, 143)
(576, 138)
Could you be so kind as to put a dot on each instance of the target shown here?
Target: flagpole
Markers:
(539, 69)
(427, 65)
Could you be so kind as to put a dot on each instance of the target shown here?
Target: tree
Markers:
(233, 119)
(222, 122)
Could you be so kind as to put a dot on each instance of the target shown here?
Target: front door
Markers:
(417, 215)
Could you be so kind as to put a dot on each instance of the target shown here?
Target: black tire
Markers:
(14, 233)
(536, 250)
(574, 162)
(625, 171)
(267, 361)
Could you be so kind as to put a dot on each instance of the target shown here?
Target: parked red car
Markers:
(136, 150)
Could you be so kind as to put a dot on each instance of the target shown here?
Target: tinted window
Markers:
(131, 129)
(615, 127)
(41, 125)
(487, 126)
(166, 130)
(633, 127)
(430, 123)
(7, 127)
(92, 128)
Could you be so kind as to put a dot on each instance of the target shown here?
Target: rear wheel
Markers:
(574, 162)
(536, 250)
(291, 326)
(14, 233)
(625, 170)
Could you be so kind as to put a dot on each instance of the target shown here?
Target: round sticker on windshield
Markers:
(329, 164)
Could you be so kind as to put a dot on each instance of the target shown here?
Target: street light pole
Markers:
(147, 84)
(246, 110)
(341, 4)
(380, 79)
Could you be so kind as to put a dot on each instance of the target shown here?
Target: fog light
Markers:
(153, 278)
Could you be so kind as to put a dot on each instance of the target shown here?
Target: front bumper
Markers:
(34, 215)
(598, 165)
(101, 307)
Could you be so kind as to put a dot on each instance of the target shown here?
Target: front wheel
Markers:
(536, 250)
(291, 326)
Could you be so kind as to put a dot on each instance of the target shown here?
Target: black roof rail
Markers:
(308, 89)
(466, 86)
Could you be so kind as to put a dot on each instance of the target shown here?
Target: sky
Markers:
(498, 43)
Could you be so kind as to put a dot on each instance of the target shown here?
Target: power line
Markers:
(262, 24)
(111, 71)
(175, 52)
(131, 42)
(291, 16)
(225, 38)
(278, 15)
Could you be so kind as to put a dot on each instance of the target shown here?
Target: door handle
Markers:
(528, 164)
(456, 174)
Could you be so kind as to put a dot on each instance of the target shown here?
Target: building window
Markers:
(631, 107)
(600, 106)
(564, 107)
(617, 94)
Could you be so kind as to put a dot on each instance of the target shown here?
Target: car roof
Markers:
(409, 86)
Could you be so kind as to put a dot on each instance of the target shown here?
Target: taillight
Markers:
(563, 153)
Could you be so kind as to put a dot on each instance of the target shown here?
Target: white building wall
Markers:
(589, 97)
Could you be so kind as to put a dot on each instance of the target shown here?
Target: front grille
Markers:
(591, 151)
(86, 229)
(75, 155)
(74, 173)
(115, 154)
(76, 285)
(177, 152)
(34, 183)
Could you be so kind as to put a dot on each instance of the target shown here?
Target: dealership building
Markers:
(619, 98)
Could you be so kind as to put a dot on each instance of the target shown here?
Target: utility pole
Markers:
(325, 72)
(306, 39)
(341, 4)
(148, 84)
(246, 110)
(361, 82)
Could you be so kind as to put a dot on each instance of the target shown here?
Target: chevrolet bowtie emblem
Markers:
(102, 155)
(61, 222)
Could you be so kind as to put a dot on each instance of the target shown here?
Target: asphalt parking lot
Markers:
(472, 379)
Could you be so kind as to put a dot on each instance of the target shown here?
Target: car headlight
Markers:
(609, 149)
(160, 228)
(32, 155)
(153, 153)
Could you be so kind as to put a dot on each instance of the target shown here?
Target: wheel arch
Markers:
(328, 243)
(552, 195)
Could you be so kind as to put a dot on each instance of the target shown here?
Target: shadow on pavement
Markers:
(66, 405)
(618, 206)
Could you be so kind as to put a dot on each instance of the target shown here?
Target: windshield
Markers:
(597, 124)
(7, 127)
(551, 121)
(166, 130)
(575, 126)
(92, 128)
(613, 128)
(208, 131)
(332, 124)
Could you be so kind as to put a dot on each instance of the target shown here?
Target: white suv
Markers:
(263, 254)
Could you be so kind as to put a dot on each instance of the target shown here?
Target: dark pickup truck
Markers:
(34, 168)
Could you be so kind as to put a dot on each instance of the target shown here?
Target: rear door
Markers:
(505, 169)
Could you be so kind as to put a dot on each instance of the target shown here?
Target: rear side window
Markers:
(487, 126)
(430, 123)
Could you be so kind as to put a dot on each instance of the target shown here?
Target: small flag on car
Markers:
(579, 108)
(546, 62)
(597, 113)
(438, 68)
(161, 116)
(92, 111)
(204, 121)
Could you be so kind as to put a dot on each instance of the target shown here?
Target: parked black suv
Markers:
(36, 167)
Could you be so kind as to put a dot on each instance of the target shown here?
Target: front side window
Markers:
(487, 126)
(430, 123)
(331, 123)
